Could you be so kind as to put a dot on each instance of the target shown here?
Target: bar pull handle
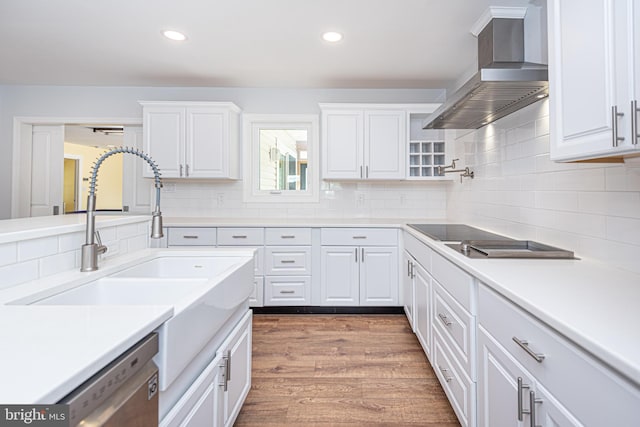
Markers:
(287, 236)
(445, 319)
(186, 170)
(532, 408)
(408, 268)
(181, 167)
(190, 236)
(287, 261)
(287, 292)
(634, 122)
(360, 171)
(367, 174)
(359, 237)
(614, 125)
(239, 236)
(539, 357)
(444, 371)
(521, 410)
(356, 255)
(413, 270)
(362, 257)
(227, 369)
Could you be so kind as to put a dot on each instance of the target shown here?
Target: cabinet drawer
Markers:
(421, 252)
(287, 236)
(459, 388)
(191, 236)
(569, 373)
(241, 236)
(288, 260)
(359, 236)
(457, 327)
(287, 290)
(457, 282)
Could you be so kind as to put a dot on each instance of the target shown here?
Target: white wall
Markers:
(592, 209)
(112, 102)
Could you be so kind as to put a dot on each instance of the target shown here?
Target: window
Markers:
(281, 158)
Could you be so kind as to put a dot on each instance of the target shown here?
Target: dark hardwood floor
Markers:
(341, 370)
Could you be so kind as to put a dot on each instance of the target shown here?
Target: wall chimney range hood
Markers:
(503, 84)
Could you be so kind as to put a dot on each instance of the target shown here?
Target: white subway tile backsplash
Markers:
(17, 273)
(8, 253)
(71, 241)
(124, 231)
(57, 263)
(591, 208)
(37, 248)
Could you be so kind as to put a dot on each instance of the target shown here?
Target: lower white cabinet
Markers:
(216, 396)
(408, 289)
(366, 276)
(422, 314)
(287, 290)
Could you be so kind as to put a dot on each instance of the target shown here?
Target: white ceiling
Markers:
(84, 135)
(241, 43)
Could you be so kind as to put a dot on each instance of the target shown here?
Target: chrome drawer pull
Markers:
(287, 292)
(521, 410)
(539, 357)
(614, 126)
(359, 237)
(287, 261)
(288, 236)
(239, 236)
(444, 374)
(634, 122)
(190, 237)
(444, 319)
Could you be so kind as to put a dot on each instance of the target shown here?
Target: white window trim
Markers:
(252, 193)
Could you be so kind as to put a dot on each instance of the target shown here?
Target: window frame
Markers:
(251, 164)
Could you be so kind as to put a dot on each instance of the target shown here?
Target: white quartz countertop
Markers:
(47, 351)
(590, 303)
(294, 222)
(13, 230)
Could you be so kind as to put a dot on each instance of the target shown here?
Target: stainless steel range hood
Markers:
(503, 84)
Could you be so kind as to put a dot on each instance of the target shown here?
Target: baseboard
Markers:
(327, 310)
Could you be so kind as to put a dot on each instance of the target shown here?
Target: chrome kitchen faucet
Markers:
(91, 249)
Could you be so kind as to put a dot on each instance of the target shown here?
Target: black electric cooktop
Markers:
(455, 232)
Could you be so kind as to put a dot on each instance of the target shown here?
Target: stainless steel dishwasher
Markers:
(122, 394)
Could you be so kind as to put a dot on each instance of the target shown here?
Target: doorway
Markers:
(71, 184)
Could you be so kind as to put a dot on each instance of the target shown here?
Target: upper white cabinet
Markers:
(192, 139)
(428, 148)
(363, 142)
(594, 66)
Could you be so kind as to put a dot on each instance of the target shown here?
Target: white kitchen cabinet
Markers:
(408, 288)
(363, 142)
(366, 274)
(236, 355)
(427, 148)
(593, 73)
(192, 139)
(571, 388)
(423, 303)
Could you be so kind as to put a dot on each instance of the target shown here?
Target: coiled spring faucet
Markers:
(91, 249)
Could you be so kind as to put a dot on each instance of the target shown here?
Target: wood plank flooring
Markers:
(341, 370)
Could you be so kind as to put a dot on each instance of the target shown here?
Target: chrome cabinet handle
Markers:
(186, 170)
(408, 268)
(539, 357)
(367, 174)
(362, 257)
(521, 410)
(287, 292)
(287, 236)
(180, 170)
(239, 236)
(614, 125)
(444, 374)
(444, 319)
(532, 408)
(356, 255)
(287, 261)
(227, 369)
(360, 171)
(359, 237)
(413, 270)
(190, 237)
(634, 122)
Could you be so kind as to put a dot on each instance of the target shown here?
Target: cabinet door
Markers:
(342, 144)
(549, 412)
(379, 276)
(498, 391)
(385, 141)
(207, 143)
(339, 275)
(236, 350)
(164, 139)
(408, 288)
(588, 74)
(201, 404)
(422, 283)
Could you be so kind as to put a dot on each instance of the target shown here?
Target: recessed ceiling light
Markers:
(332, 36)
(174, 35)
